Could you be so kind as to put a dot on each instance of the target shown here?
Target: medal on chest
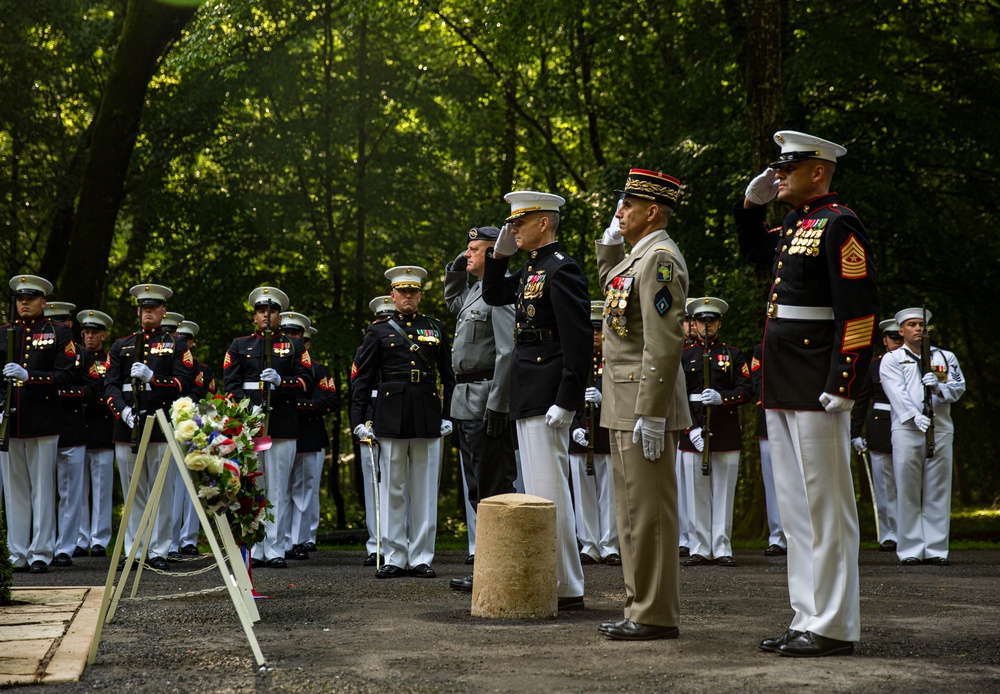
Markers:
(807, 237)
(161, 347)
(534, 287)
(281, 349)
(616, 302)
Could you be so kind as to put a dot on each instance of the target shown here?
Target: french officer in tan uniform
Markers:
(644, 400)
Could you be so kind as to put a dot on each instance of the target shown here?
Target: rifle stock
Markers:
(9, 389)
(925, 359)
(268, 360)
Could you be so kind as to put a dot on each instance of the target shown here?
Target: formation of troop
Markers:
(623, 411)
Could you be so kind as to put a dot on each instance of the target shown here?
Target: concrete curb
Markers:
(47, 641)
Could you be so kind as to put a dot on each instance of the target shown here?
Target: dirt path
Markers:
(332, 627)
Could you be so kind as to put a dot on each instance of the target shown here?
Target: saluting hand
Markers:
(763, 188)
(506, 244)
(613, 235)
(461, 263)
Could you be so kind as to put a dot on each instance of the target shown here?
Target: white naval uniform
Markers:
(594, 505)
(923, 485)
(28, 470)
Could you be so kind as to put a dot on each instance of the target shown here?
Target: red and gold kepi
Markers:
(652, 185)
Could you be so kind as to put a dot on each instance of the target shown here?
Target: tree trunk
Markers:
(764, 59)
(150, 27)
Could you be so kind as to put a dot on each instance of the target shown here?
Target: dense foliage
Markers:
(311, 145)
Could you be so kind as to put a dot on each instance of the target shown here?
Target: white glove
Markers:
(580, 436)
(15, 371)
(557, 417)
(142, 372)
(271, 376)
(128, 416)
(364, 432)
(696, 439)
(593, 395)
(929, 380)
(835, 403)
(923, 422)
(859, 444)
(710, 396)
(763, 187)
(506, 244)
(612, 235)
(446, 427)
(652, 430)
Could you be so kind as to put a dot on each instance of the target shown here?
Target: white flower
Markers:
(196, 460)
(182, 410)
(206, 492)
(216, 464)
(186, 430)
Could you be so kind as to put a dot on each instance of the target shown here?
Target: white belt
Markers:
(127, 388)
(695, 397)
(881, 406)
(253, 385)
(374, 392)
(799, 312)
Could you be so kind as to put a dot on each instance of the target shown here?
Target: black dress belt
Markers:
(411, 376)
(473, 376)
(527, 335)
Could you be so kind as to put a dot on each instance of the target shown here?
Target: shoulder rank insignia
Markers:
(664, 272)
(188, 358)
(354, 369)
(858, 333)
(228, 361)
(70, 349)
(306, 359)
(746, 371)
(852, 260)
(755, 364)
(559, 255)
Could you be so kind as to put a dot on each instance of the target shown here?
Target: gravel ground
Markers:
(331, 626)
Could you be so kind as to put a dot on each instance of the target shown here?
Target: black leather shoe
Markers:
(936, 561)
(587, 560)
(471, 559)
(98, 551)
(461, 584)
(173, 556)
(38, 567)
(189, 551)
(422, 571)
(309, 546)
(370, 560)
(604, 626)
(277, 563)
(158, 563)
(684, 552)
(297, 553)
(62, 559)
(571, 603)
(613, 560)
(79, 552)
(20, 569)
(696, 560)
(775, 551)
(773, 644)
(257, 564)
(910, 561)
(810, 645)
(630, 631)
(726, 561)
(887, 546)
(390, 571)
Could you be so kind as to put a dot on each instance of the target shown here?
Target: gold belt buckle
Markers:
(414, 375)
(772, 310)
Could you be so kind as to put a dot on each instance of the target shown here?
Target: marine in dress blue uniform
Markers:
(404, 355)
(184, 541)
(310, 451)
(40, 362)
(165, 369)
(711, 496)
(821, 315)
(99, 462)
(877, 437)
(552, 354)
(289, 377)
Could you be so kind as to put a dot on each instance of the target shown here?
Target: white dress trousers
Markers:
(775, 535)
(185, 525)
(149, 468)
(276, 463)
(69, 484)
(545, 466)
(923, 493)
(810, 455)
(96, 498)
(710, 502)
(884, 481)
(305, 496)
(594, 506)
(369, 486)
(29, 468)
(409, 500)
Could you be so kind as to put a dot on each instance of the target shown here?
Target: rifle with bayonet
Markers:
(8, 400)
(925, 359)
(591, 419)
(139, 357)
(268, 361)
